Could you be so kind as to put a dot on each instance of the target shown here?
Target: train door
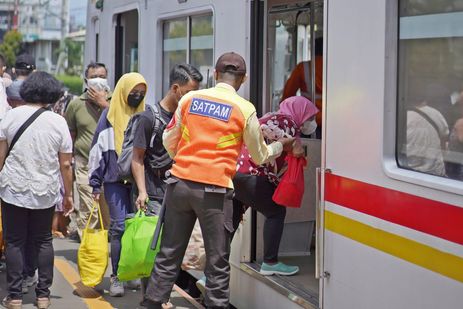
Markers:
(126, 43)
(294, 32)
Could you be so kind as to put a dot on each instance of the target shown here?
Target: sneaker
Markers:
(43, 302)
(201, 284)
(9, 303)
(116, 288)
(133, 284)
(278, 269)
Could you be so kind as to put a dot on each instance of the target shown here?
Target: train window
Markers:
(175, 47)
(188, 40)
(202, 46)
(430, 87)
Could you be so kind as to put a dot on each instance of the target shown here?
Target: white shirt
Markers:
(424, 151)
(30, 177)
(4, 106)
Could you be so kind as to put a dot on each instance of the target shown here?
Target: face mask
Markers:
(98, 83)
(309, 127)
(134, 100)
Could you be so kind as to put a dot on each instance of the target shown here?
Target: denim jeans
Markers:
(118, 198)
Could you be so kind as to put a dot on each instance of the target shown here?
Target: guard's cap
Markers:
(231, 62)
(25, 62)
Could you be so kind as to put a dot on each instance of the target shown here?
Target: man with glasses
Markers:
(82, 116)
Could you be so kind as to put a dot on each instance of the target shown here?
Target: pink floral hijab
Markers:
(299, 108)
(294, 111)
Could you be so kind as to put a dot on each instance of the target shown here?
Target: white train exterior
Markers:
(386, 236)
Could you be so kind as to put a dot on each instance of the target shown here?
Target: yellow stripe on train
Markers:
(414, 252)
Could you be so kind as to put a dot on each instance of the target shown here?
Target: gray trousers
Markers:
(186, 201)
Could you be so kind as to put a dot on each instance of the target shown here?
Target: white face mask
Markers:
(309, 127)
(98, 83)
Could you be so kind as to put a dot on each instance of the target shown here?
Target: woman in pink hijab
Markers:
(255, 184)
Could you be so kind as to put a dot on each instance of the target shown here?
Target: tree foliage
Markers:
(73, 51)
(11, 46)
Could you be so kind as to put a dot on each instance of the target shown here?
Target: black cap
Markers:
(25, 62)
(231, 62)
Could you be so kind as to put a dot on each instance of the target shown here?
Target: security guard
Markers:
(204, 138)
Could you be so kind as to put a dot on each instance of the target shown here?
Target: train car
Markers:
(381, 225)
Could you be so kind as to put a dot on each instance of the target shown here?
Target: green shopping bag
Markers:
(137, 258)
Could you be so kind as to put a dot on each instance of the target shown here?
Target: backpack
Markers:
(124, 161)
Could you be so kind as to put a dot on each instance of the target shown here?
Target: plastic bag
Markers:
(93, 254)
(137, 258)
(290, 190)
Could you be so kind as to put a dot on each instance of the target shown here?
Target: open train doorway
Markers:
(293, 66)
(126, 43)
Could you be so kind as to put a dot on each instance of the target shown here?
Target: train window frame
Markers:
(391, 166)
(189, 15)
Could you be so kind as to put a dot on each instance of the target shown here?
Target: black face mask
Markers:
(134, 100)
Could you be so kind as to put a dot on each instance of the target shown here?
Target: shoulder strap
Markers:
(23, 128)
(430, 121)
(157, 121)
(157, 116)
(425, 116)
(308, 78)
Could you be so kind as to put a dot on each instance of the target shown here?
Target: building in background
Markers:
(44, 24)
(6, 17)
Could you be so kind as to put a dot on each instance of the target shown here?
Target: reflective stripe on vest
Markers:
(229, 140)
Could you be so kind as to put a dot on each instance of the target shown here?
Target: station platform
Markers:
(67, 291)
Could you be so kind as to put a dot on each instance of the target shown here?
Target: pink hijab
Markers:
(299, 108)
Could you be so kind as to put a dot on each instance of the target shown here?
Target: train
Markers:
(376, 230)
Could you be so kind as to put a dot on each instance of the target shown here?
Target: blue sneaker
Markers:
(278, 269)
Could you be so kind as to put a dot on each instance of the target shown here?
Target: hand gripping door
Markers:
(92, 257)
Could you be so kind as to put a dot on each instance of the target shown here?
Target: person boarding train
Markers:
(204, 138)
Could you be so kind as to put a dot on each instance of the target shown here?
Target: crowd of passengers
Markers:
(203, 151)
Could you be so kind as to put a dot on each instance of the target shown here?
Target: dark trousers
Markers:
(119, 199)
(20, 226)
(186, 201)
(256, 192)
(30, 260)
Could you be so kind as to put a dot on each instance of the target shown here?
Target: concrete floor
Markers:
(68, 293)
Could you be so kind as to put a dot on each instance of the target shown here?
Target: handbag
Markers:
(290, 190)
(93, 254)
(137, 257)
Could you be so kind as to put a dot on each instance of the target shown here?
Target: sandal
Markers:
(43, 302)
(10, 303)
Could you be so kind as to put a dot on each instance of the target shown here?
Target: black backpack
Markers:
(124, 161)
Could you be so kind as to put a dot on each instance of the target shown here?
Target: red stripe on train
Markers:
(428, 216)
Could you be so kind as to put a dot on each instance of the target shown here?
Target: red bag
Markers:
(290, 190)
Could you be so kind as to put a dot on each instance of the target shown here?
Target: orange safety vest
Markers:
(212, 125)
